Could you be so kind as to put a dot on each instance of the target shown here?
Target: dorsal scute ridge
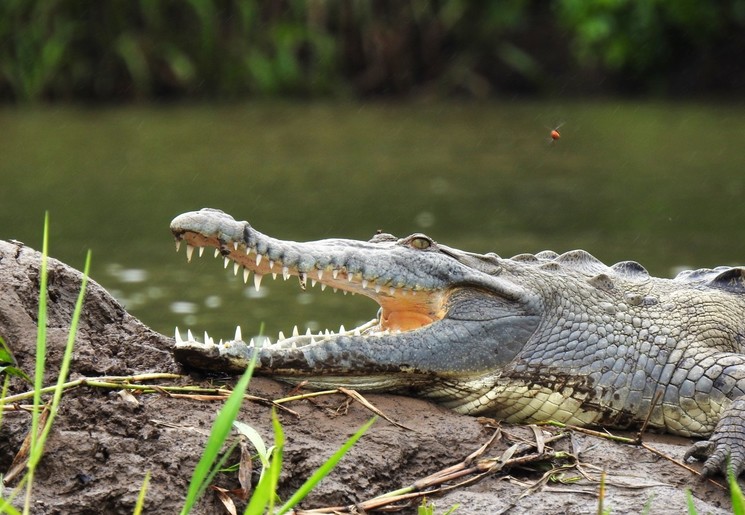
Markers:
(582, 261)
(730, 278)
(631, 270)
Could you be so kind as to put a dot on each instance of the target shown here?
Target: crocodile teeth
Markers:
(257, 281)
(227, 262)
(201, 251)
(236, 267)
(189, 336)
(189, 252)
(295, 332)
(281, 336)
(323, 286)
(320, 274)
(341, 329)
(334, 273)
(178, 245)
(235, 245)
(313, 283)
(258, 259)
(271, 264)
(285, 273)
(238, 335)
(217, 252)
(177, 336)
(246, 273)
(364, 283)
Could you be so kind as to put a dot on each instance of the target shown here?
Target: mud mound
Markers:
(102, 443)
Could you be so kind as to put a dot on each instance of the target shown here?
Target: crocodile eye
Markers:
(420, 242)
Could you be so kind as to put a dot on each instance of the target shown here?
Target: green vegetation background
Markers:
(123, 50)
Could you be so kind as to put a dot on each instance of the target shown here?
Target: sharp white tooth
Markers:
(341, 329)
(178, 245)
(177, 336)
(295, 332)
(349, 276)
(323, 286)
(227, 262)
(344, 291)
(252, 343)
(189, 252)
(189, 335)
(294, 345)
(274, 275)
(307, 332)
(377, 288)
(312, 342)
(235, 245)
(221, 343)
(206, 337)
(285, 273)
(364, 283)
(334, 273)
(217, 252)
(201, 251)
(236, 267)
(357, 332)
(281, 336)
(302, 277)
(258, 259)
(320, 274)
(327, 333)
(313, 283)
(246, 273)
(238, 335)
(336, 290)
(257, 281)
(271, 264)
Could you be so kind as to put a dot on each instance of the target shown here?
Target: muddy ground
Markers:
(102, 443)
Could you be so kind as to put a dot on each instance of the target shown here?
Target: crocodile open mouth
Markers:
(403, 307)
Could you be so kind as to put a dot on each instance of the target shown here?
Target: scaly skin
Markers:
(527, 339)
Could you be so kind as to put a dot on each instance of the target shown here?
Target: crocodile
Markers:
(531, 338)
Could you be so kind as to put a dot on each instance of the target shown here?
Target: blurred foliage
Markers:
(142, 49)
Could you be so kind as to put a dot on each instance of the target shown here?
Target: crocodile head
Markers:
(445, 316)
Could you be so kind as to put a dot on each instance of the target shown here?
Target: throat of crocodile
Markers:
(401, 314)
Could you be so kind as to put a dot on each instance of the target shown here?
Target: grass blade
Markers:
(263, 497)
(41, 352)
(141, 498)
(324, 469)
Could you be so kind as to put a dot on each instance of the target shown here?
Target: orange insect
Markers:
(554, 135)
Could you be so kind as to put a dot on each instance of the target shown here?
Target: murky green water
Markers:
(659, 183)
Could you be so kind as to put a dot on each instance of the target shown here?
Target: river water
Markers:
(659, 183)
